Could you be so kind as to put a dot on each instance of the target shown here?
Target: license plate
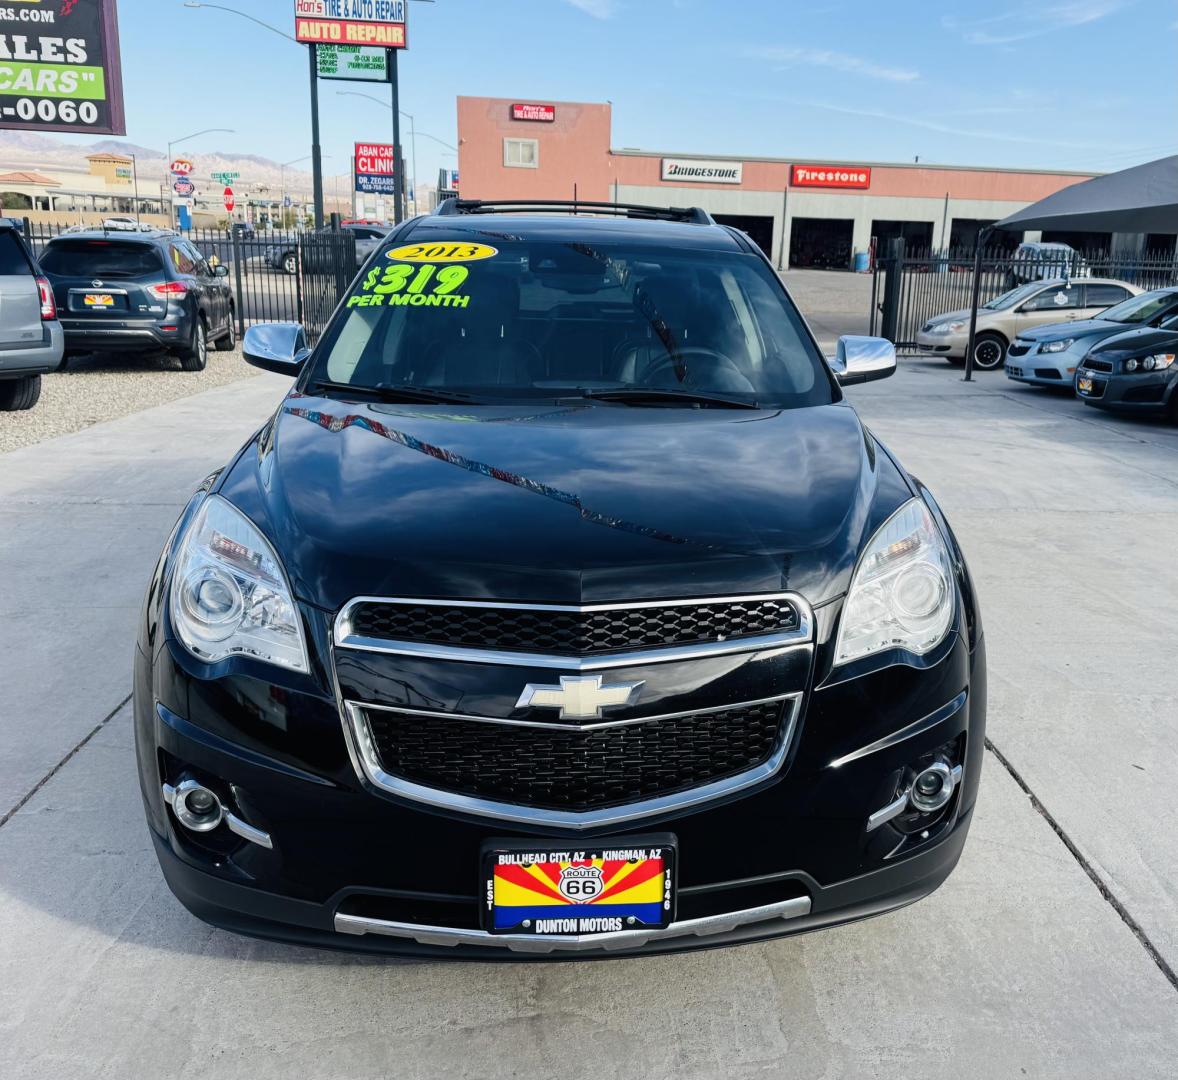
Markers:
(530, 889)
(1084, 386)
(98, 300)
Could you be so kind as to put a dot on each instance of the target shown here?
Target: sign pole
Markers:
(316, 152)
(398, 171)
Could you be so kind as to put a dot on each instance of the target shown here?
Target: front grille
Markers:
(1017, 372)
(1047, 373)
(576, 770)
(562, 632)
(1098, 365)
(1019, 349)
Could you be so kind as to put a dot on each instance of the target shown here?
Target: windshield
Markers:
(1009, 299)
(1140, 309)
(543, 318)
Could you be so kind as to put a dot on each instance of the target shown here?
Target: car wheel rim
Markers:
(987, 355)
(201, 346)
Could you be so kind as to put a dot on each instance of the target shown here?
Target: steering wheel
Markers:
(688, 360)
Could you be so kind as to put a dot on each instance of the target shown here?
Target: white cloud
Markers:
(599, 9)
(952, 129)
(854, 65)
(1030, 21)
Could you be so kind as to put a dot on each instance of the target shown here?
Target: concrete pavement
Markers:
(1019, 966)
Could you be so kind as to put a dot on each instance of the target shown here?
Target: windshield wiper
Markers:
(404, 392)
(638, 395)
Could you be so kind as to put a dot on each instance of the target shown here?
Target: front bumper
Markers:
(353, 867)
(950, 345)
(1148, 393)
(1025, 363)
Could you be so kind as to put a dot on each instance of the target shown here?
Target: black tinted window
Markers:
(1105, 295)
(100, 258)
(12, 258)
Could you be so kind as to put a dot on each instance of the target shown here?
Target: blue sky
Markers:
(1075, 84)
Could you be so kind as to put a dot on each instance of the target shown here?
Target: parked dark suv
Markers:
(31, 339)
(563, 606)
(121, 291)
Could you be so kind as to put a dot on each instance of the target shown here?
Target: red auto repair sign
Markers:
(352, 22)
(831, 176)
(544, 114)
(229, 201)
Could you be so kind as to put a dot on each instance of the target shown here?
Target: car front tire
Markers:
(16, 395)
(197, 357)
(290, 264)
(989, 351)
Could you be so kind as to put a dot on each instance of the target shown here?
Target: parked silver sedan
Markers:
(1049, 355)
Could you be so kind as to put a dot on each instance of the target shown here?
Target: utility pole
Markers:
(398, 169)
(316, 151)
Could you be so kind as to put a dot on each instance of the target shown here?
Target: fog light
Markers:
(932, 788)
(196, 807)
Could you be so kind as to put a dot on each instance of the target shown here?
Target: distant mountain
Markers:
(27, 150)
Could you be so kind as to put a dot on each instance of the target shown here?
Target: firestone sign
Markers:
(545, 114)
(379, 23)
(831, 176)
(703, 172)
(59, 66)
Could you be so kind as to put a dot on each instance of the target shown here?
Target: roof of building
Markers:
(110, 157)
(28, 178)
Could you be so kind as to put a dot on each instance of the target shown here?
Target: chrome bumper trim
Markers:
(611, 942)
(367, 763)
(345, 638)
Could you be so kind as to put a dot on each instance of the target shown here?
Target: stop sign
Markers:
(229, 203)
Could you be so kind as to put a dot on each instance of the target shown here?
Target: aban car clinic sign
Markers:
(351, 22)
(59, 66)
(375, 168)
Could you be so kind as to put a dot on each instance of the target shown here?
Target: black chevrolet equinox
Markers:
(564, 607)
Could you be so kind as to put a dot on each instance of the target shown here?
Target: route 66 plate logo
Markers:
(580, 883)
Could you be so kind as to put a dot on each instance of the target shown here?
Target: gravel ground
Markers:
(97, 388)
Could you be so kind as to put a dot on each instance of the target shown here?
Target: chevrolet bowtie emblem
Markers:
(579, 697)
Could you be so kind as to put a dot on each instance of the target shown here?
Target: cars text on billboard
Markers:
(60, 68)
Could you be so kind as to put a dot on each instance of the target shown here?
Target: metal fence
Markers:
(276, 276)
(910, 287)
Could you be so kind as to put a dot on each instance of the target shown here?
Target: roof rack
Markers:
(692, 214)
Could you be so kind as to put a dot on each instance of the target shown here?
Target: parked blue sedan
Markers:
(1049, 355)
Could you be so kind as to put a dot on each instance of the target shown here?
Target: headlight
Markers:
(1157, 362)
(229, 592)
(902, 595)
(1057, 346)
(947, 328)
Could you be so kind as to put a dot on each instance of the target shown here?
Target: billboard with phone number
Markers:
(352, 22)
(59, 66)
(375, 168)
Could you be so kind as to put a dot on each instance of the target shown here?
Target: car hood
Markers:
(1082, 328)
(1138, 342)
(564, 504)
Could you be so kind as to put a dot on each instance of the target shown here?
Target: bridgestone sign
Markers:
(702, 172)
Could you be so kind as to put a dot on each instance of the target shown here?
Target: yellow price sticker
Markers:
(445, 252)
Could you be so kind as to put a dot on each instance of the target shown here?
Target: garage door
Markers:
(760, 229)
(821, 243)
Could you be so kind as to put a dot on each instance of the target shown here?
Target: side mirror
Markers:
(863, 359)
(220, 270)
(278, 347)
